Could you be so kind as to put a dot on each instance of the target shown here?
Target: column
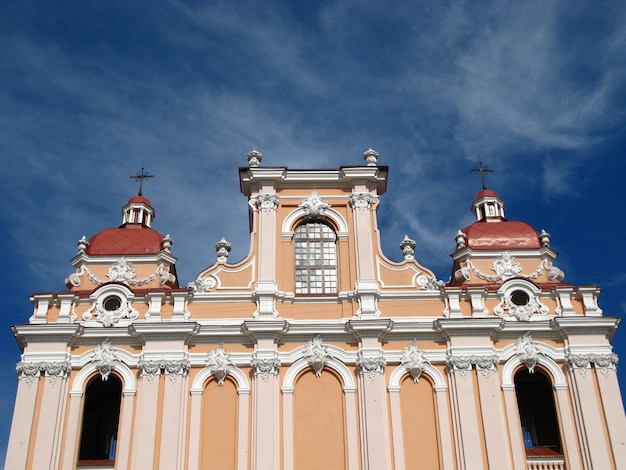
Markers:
(590, 422)
(73, 430)
(144, 438)
(171, 455)
(125, 431)
(194, 429)
(494, 423)
(242, 431)
(362, 203)
(375, 430)
(46, 453)
(613, 410)
(515, 427)
(266, 287)
(23, 415)
(443, 416)
(265, 409)
(464, 413)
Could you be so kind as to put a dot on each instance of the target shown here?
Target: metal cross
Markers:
(482, 170)
(140, 177)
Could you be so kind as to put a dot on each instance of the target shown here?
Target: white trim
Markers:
(290, 221)
(128, 379)
(557, 377)
(301, 364)
(197, 387)
(439, 383)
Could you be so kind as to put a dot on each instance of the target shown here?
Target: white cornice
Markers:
(281, 177)
(93, 260)
(518, 253)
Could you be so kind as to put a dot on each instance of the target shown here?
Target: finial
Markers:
(482, 170)
(83, 243)
(223, 249)
(254, 158)
(167, 242)
(140, 176)
(408, 247)
(461, 240)
(370, 156)
(544, 237)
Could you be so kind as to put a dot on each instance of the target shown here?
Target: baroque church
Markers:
(316, 351)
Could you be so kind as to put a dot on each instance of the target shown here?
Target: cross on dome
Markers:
(140, 176)
(482, 170)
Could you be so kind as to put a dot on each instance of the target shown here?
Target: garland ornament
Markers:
(122, 272)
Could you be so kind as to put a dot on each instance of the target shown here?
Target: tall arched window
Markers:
(101, 413)
(535, 401)
(315, 259)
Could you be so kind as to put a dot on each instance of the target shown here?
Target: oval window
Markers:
(519, 298)
(112, 303)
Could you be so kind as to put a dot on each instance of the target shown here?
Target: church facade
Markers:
(316, 351)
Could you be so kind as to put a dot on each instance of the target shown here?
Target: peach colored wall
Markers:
(479, 406)
(399, 308)
(419, 425)
(319, 422)
(219, 425)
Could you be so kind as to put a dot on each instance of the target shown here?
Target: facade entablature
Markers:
(136, 271)
(497, 267)
(254, 179)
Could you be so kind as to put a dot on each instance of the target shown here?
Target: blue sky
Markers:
(90, 91)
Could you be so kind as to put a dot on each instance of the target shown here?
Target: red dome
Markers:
(139, 199)
(501, 234)
(129, 239)
(485, 193)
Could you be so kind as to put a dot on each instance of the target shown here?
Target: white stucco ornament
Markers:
(371, 157)
(219, 364)
(113, 316)
(371, 366)
(414, 361)
(361, 201)
(204, 284)
(313, 206)
(316, 354)
(254, 158)
(407, 245)
(105, 359)
(266, 202)
(223, 250)
(527, 352)
(265, 367)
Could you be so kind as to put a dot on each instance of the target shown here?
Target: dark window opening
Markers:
(315, 259)
(101, 413)
(112, 303)
(535, 401)
(520, 298)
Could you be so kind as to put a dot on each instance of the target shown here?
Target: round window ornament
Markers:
(519, 298)
(112, 303)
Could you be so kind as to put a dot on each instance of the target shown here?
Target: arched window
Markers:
(315, 259)
(101, 413)
(535, 401)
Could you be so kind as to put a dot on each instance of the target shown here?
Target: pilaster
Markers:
(375, 423)
(613, 412)
(266, 397)
(22, 424)
(47, 450)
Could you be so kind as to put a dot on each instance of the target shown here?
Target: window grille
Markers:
(315, 259)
